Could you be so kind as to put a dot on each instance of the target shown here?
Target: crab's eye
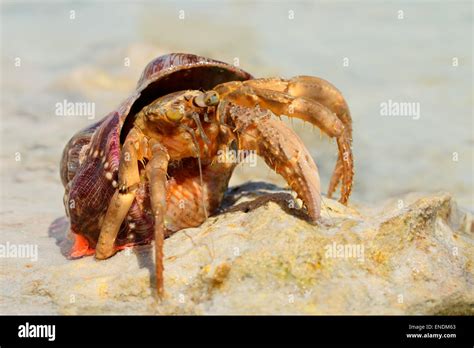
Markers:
(211, 98)
(174, 114)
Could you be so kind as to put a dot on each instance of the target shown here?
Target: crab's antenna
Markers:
(198, 153)
(196, 119)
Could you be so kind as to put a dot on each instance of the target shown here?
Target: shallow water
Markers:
(362, 47)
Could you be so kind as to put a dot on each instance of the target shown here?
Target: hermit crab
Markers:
(150, 168)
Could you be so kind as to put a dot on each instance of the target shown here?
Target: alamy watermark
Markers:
(21, 251)
(67, 108)
(237, 156)
(28, 330)
(402, 109)
(345, 251)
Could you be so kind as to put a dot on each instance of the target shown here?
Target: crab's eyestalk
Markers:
(210, 98)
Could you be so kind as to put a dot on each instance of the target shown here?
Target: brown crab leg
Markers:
(283, 151)
(307, 109)
(301, 107)
(156, 171)
(322, 91)
(283, 104)
(310, 87)
(325, 93)
(122, 199)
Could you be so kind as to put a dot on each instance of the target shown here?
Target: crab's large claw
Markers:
(282, 150)
(311, 99)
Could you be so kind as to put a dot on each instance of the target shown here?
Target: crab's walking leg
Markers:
(156, 171)
(284, 152)
(307, 109)
(304, 108)
(323, 92)
(122, 199)
(310, 87)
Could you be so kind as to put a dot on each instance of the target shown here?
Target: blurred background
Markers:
(417, 52)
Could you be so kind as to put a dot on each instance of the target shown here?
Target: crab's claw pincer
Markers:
(283, 151)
